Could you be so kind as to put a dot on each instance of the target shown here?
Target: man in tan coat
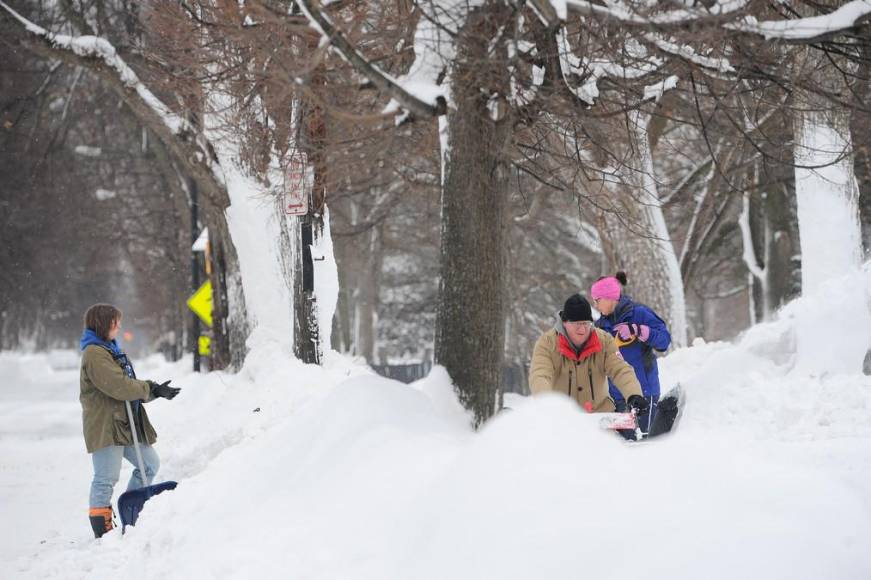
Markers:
(577, 359)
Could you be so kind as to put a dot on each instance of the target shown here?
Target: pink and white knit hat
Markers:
(607, 288)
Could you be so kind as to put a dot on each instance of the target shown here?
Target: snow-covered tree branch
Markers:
(422, 104)
(102, 59)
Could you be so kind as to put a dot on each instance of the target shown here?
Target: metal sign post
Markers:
(195, 267)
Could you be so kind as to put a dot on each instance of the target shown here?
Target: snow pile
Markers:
(816, 397)
(288, 470)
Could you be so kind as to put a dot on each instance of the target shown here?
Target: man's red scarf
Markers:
(591, 347)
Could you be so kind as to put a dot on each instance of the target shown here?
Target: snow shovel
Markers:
(131, 502)
(624, 423)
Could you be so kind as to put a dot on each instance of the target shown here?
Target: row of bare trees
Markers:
(88, 214)
(476, 163)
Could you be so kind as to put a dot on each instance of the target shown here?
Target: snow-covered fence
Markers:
(404, 373)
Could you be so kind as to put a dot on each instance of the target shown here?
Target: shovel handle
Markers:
(136, 442)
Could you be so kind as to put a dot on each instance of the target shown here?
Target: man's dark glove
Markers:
(638, 403)
(163, 390)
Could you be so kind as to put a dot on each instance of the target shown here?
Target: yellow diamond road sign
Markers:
(201, 302)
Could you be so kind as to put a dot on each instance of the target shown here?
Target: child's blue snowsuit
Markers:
(638, 354)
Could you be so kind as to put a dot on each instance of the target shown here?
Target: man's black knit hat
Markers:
(576, 308)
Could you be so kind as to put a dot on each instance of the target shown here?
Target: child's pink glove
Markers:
(627, 331)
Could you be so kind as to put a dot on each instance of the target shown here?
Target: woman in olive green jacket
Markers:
(576, 359)
(107, 380)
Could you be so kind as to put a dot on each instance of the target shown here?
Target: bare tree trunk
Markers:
(640, 239)
(827, 197)
(772, 223)
(361, 257)
(306, 338)
(307, 342)
(469, 337)
(344, 320)
(759, 278)
(768, 250)
(230, 324)
(366, 305)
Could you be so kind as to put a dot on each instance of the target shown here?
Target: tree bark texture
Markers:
(774, 250)
(230, 325)
(469, 337)
(640, 240)
(827, 195)
(366, 304)
(308, 337)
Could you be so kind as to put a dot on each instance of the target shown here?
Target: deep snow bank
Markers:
(304, 472)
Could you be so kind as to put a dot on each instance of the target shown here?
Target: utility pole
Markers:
(195, 270)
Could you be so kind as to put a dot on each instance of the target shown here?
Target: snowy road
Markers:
(43, 464)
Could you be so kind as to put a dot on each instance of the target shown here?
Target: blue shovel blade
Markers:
(131, 502)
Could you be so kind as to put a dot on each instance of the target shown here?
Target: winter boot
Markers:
(666, 412)
(101, 520)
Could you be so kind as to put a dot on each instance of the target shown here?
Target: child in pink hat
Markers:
(608, 288)
(640, 332)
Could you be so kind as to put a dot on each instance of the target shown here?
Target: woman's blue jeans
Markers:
(107, 470)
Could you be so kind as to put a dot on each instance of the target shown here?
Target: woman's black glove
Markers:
(638, 403)
(163, 390)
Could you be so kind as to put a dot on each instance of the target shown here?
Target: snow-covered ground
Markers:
(292, 471)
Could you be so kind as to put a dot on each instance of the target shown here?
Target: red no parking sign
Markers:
(296, 185)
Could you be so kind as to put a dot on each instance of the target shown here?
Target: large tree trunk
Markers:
(826, 190)
(306, 335)
(366, 304)
(307, 343)
(469, 338)
(639, 238)
(255, 227)
(343, 321)
(768, 236)
(230, 325)
(861, 137)
(362, 255)
(315, 291)
(827, 196)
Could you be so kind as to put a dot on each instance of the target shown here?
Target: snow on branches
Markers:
(99, 48)
(809, 28)
(417, 95)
